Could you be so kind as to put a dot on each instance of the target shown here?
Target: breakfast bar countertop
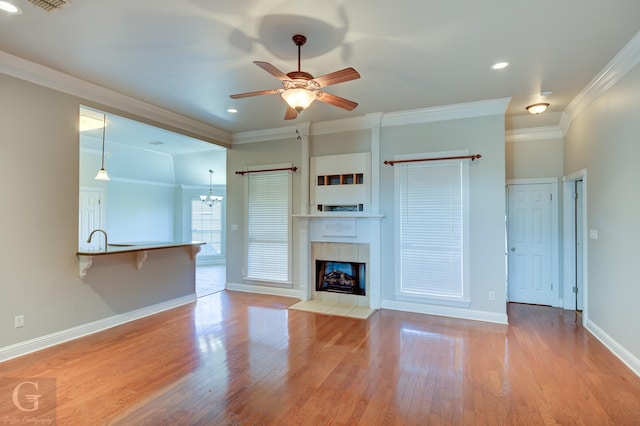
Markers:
(114, 248)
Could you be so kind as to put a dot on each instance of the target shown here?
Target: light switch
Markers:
(593, 234)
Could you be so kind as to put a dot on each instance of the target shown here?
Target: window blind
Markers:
(431, 229)
(268, 226)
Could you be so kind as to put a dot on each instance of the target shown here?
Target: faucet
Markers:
(106, 243)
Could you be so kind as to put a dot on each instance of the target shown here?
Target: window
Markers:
(269, 224)
(206, 226)
(432, 206)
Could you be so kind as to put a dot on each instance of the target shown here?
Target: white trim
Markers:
(387, 119)
(626, 59)
(555, 231)
(534, 134)
(616, 348)
(262, 289)
(39, 343)
(56, 80)
(568, 237)
(446, 311)
(446, 112)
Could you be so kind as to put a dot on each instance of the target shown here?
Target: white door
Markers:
(90, 218)
(529, 249)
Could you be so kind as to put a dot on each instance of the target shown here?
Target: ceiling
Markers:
(189, 56)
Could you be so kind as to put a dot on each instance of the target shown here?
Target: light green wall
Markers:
(39, 181)
(340, 143)
(604, 139)
(485, 136)
(255, 154)
(534, 159)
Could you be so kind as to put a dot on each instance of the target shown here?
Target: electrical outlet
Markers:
(19, 321)
(492, 295)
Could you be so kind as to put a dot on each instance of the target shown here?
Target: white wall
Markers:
(604, 139)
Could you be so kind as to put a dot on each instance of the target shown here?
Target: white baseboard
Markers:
(446, 311)
(274, 291)
(39, 343)
(616, 348)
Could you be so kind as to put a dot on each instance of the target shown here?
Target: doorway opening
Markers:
(575, 244)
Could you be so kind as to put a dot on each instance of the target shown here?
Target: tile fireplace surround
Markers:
(348, 238)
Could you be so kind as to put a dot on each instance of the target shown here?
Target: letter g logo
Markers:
(33, 399)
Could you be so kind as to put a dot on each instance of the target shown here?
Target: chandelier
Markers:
(211, 199)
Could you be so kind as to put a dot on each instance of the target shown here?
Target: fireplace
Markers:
(341, 277)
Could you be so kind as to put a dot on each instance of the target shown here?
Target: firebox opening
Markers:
(340, 277)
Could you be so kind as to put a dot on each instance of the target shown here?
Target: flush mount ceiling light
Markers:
(102, 173)
(211, 199)
(537, 108)
(10, 8)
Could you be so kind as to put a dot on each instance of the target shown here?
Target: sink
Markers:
(122, 245)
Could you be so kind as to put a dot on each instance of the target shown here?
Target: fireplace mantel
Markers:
(345, 215)
(341, 228)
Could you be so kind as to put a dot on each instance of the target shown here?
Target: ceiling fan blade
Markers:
(290, 113)
(341, 76)
(272, 70)
(258, 93)
(334, 100)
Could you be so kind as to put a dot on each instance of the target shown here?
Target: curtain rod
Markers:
(462, 157)
(293, 169)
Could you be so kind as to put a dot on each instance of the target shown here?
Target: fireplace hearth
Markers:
(340, 277)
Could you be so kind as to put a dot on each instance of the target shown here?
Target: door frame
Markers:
(569, 257)
(555, 234)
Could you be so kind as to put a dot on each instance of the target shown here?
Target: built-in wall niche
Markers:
(341, 183)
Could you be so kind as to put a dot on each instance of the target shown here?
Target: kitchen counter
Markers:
(141, 250)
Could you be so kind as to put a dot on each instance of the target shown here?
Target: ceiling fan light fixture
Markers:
(537, 108)
(298, 98)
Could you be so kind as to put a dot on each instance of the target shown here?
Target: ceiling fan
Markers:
(300, 88)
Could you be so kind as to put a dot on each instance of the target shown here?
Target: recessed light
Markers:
(232, 110)
(10, 8)
(499, 65)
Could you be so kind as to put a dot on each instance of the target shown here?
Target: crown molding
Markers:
(43, 76)
(446, 112)
(388, 119)
(288, 132)
(534, 134)
(613, 72)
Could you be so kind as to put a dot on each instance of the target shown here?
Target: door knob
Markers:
(513, 249)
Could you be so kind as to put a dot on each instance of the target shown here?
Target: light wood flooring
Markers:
(243, 359)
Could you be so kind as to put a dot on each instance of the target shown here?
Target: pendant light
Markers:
(102, 173)
(211, 199)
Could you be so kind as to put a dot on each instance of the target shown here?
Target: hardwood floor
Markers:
(242, 359)
(210, 279)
